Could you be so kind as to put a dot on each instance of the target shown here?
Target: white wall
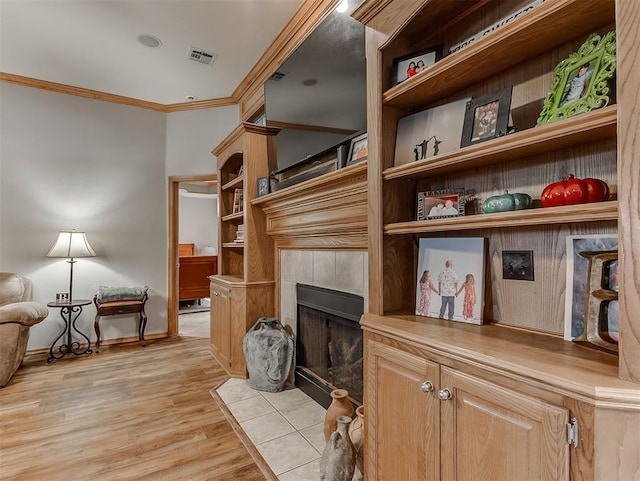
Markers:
(70, 162)
(193, 134)
(198, 222)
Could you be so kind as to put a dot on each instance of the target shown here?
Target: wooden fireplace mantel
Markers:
(327, 212)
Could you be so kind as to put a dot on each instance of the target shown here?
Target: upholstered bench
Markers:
(114, 301)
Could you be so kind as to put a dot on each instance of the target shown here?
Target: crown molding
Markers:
(79, 92)
(298, 28)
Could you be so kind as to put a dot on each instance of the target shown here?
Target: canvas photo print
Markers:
(577, 275)
(450, 278)
(430, 133)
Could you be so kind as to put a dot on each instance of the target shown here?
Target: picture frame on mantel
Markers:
(358, 150)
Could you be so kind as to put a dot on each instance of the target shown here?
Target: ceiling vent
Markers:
(277, 76)
(201, 56)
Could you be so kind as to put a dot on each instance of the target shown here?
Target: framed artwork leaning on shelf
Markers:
(263, 185)
(438, 204)
(450, 278)
(429, 133)
(579, 248)
(486, 117)
(412, 64)
(238, 200)
(358, 150)
(581, 81)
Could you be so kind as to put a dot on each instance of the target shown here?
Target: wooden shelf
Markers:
(347, 174)
(547, 359)
(235, 183)
(547, 26)
(574, 131)
(236, 216)
(599, 211)
(233, 245)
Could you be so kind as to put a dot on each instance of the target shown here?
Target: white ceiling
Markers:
(92, 43)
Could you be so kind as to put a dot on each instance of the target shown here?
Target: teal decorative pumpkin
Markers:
(506, 202)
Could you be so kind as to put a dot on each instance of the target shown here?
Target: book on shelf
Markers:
(239, 234)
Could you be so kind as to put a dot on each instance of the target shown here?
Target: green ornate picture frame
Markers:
(581, 81)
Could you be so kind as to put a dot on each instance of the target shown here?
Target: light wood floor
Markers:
(126, 413)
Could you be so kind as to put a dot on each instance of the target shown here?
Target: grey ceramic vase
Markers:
(338, 460)
(268, 352)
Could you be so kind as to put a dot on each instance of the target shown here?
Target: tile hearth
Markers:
(286, 427)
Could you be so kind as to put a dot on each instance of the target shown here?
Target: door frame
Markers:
(174, 182)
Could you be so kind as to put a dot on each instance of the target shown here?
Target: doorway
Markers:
(208, 182)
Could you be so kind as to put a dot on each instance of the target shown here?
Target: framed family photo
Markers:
(486, 117)
(429, 133)
(450, 278)
(410, 65)
(438, 204)
(581, 81)
(358, 150)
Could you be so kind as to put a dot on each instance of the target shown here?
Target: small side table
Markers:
(69, 311)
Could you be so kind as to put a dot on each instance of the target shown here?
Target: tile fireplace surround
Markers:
(345, 271)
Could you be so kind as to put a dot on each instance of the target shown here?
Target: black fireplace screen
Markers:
(329, 343)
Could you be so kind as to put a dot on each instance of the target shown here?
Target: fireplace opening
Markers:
(329, 343)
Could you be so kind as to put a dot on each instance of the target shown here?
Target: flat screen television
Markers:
(318, 96)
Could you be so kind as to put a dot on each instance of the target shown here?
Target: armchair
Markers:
(17, 314)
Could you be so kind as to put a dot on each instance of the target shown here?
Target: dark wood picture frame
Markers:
(486, 117)
(400, 69)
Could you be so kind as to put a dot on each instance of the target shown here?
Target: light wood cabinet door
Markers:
(221, 323)
(490, 433)
(403, 427)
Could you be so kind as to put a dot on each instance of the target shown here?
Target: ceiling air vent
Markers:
(201, 56)
(277, 76)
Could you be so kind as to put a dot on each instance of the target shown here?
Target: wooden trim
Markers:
(327, 212)
(309, 128)
(172, 251)
(203, 179)
(79, 92)
(628, 32)
(172, 261)
(200, 104)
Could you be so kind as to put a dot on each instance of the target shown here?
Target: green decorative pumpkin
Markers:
(506, 202)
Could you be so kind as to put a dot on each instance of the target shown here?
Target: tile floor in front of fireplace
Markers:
(285, 427)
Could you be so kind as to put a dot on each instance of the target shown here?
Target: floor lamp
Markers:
(71, 244)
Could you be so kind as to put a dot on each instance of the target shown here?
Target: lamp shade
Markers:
(71, 244)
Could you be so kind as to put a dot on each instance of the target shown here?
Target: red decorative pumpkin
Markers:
(575, 191)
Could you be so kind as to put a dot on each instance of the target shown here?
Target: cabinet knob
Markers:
(444, 394)
(426, 386)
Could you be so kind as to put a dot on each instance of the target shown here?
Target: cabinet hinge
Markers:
(572, 432)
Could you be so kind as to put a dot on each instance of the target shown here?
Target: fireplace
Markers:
(329, 343)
